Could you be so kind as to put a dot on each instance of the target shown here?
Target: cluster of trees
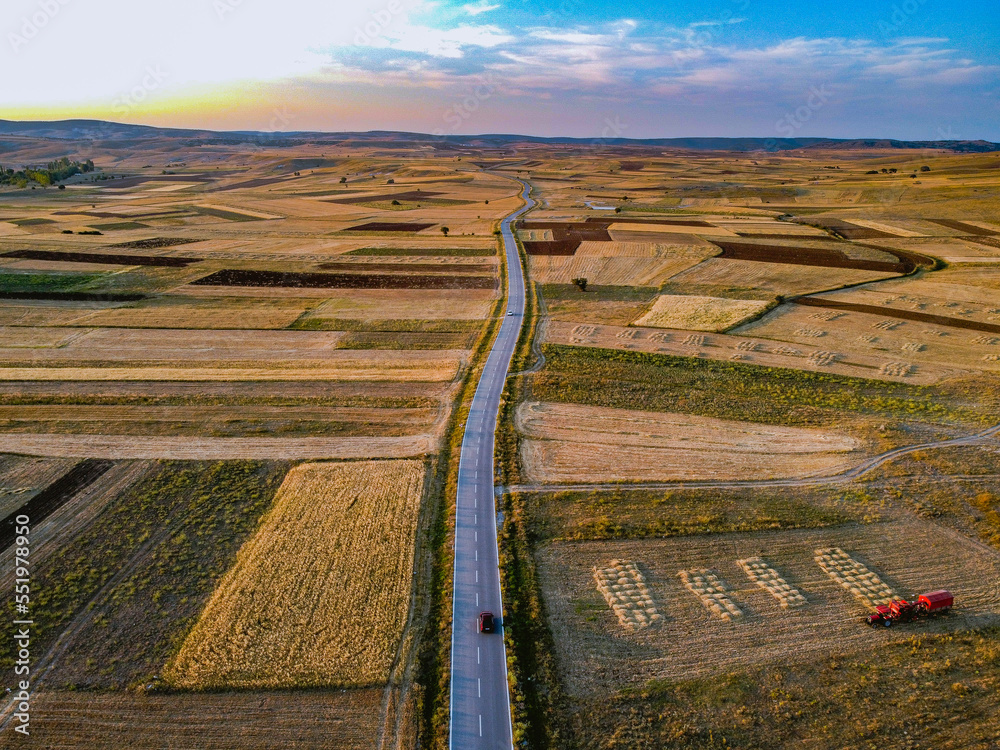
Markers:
(893, 170)
(52, 173)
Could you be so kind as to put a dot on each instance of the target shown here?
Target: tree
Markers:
(390, 181)
(444, 231)
(581, 283)
(395, 203)
(925, 168)
(343, 180)
(618, 209)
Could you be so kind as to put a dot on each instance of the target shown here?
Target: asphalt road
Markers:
(480, 702)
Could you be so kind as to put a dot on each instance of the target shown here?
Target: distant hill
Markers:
(120, 134)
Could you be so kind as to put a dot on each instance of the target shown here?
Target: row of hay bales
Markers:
(625, 590)
(711, 591)
(767, 578)
(854, 576)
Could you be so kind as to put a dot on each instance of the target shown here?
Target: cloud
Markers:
(446, 47)
(474, 9)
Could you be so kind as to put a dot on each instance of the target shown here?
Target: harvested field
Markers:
(31, 313)
(169, 345)
(895, 312)
(768, 579)
(658, 248)
(102, 258)
(701, 313)
(49, 265)
(661, 238)
(883, 334)
(574, 443)
(25, 337)
(375, 305)
(390, 226)
(711, 592)
(773, 341)
(666, 226)
(302, 393)
(345, 534)
(430, 367)
(50, 499)
(612, 271)
(345, 280)
(626, 593)
(692, 642)
(194, 313)
(246, 419)
(953, 293)
(112, 446)
(227, 721)
(775, 278)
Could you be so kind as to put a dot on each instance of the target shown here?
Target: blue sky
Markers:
(915, 69)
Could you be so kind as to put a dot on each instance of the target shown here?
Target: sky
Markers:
(908, 69)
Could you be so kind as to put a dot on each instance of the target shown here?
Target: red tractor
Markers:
(900, 610)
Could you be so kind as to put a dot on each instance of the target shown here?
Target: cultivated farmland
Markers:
(573, 443)
(700, 313)
(319, 596)
(695, 639)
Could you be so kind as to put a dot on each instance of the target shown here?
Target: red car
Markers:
(487, 623)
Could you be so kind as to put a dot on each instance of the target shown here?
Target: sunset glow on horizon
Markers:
(562, 67)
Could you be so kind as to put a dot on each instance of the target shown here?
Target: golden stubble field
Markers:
(569, 443)
(320, 596)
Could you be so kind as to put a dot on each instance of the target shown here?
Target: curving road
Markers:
(480, 702)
